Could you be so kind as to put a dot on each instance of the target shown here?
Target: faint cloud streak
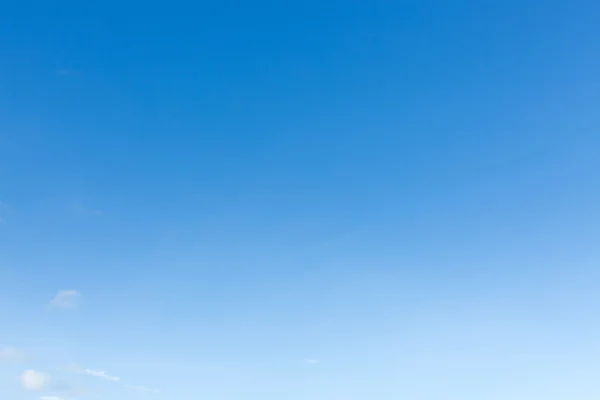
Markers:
(67, 299)
(94, 372)
(101, 374)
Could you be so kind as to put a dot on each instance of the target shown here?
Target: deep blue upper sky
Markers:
(404, 191)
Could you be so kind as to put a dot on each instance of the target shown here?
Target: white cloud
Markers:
(143, 389)
(93, 372)
(50, 398)
(101, 374)
(66, 299)
(10, 354)
(34, 380)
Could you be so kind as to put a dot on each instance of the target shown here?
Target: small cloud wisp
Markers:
(94, 372)
(67, 299)
(101, 374)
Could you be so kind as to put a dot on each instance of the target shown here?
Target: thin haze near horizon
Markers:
(332, 200)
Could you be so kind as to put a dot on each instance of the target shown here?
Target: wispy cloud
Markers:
(34, 380)
(93, 372)
(143, 389)
(101, 374)
(98, 373)
(66, 299)
(10, 354)
(51, 398)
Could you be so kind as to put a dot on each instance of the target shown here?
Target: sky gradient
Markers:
(324, 200)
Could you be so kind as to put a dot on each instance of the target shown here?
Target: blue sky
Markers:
(325, 200)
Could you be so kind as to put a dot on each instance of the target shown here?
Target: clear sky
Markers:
(324, 200)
